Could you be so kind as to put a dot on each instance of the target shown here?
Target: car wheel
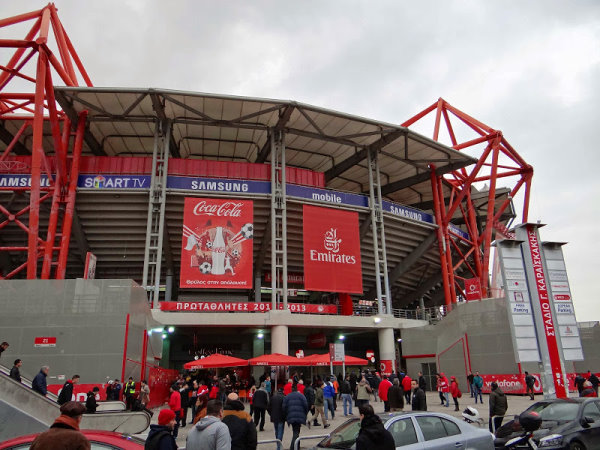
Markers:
(576, 446)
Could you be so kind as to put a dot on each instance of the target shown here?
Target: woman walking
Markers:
(455, 391)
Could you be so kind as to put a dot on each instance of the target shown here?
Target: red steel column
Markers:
(70, 206)
(37, 153)
(441, 241)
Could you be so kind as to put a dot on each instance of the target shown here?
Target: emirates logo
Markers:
(331, 242)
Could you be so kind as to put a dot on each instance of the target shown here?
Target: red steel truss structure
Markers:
(55, 162)
(489, 168)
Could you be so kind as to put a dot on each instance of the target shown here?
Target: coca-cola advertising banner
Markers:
(217, 244)
(331, 250)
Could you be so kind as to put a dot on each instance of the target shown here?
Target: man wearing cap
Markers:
(209, 433)
(160, 436)
(240, 424)
(64, 432)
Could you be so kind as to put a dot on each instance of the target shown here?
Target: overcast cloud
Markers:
(529, 69)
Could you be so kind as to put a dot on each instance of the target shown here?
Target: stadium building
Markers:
(143, 228)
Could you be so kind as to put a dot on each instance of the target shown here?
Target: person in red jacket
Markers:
(384, 387)
(444, 387)
(406, 385)
(175, 406)
(287, 389)
(301, 386)
(455, 391)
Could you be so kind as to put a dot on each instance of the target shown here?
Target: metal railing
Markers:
(306, 438)
(432, 315)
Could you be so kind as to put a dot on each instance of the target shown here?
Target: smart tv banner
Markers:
(217, 244)
(331, 250)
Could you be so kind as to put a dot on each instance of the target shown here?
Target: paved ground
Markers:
(516, 404)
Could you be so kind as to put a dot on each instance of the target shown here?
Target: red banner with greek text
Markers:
(216, 250)
(244, 307)
(331, 250)
(550, 330)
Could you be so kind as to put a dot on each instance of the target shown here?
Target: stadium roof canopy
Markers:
(230, 128)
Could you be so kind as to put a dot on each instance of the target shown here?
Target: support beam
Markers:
(408, 261)
(8, 138)
(365, 226)
(260, 257)
(423, 289)
(362, 154)
(284, 117)
(88, 137)
(159, 109)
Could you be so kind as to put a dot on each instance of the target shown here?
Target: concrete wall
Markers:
(88, 319)
(484, 329)
(480, 329)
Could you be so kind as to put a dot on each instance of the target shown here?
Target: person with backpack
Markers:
(160, 436)
(455, 391)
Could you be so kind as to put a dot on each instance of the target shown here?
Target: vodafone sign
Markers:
(472, 289)
(331, 250)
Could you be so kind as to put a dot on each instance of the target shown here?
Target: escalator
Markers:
(23, 411)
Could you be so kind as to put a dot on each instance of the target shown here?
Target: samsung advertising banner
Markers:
(331, 250)
(217, 244)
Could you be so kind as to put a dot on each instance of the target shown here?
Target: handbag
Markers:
(459, 394)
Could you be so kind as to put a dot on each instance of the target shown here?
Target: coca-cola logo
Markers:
(227, 209)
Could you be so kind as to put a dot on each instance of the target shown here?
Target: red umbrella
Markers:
(323, 360)
(214, 361)
(277, 359)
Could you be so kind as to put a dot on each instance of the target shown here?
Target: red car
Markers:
(100, 440)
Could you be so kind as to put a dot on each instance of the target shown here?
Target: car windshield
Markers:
(343, 436)
(560, 411)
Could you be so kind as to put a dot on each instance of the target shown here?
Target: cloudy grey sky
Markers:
(530, 69)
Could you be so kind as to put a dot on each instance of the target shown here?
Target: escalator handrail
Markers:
(27, 382)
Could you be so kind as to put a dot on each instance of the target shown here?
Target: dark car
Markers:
(100, 440)
(572, 423)
(416, 431)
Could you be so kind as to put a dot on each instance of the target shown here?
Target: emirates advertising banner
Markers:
(331, 250)
(217, 244)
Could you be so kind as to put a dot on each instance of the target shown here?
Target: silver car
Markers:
(418, 430)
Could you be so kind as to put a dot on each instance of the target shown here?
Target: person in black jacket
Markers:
(419, 400)
(396, 396)
(277, 415)
(90, 402)
(15, 373)
(422, 383)
(594, 380)
(309, 393)
(160, 436)
(372, 434)
(295, 409)
(239, 422)
(260, 401)
(66, 393)
(38, 384)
